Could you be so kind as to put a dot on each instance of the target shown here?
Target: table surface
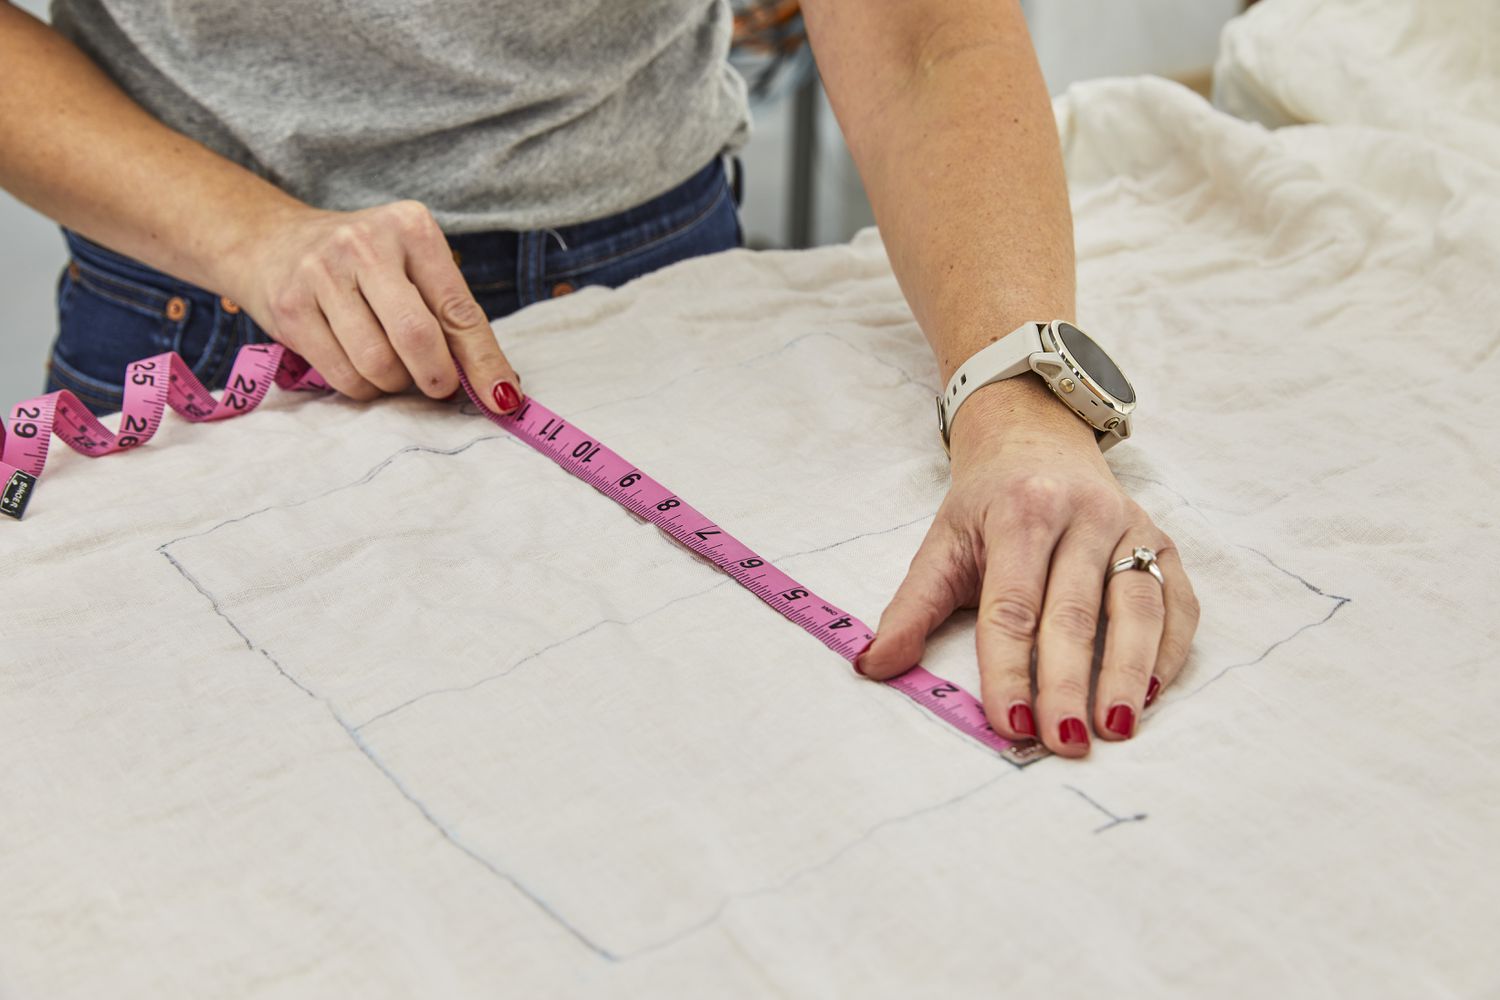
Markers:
(342, 699)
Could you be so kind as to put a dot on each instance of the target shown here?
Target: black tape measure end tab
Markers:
(17, 494)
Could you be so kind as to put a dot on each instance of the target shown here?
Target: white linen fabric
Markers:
(1427, 67)
(371, 700)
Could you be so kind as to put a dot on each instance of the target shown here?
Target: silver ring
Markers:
(1141, 558)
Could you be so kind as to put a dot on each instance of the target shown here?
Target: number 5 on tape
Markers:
(154, 384)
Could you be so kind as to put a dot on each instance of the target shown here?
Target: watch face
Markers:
(1095, 363)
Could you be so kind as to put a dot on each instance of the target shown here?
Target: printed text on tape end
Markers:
(17, 494)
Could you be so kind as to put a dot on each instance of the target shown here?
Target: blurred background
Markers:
(801, 188)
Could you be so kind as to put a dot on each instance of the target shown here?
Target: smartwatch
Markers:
(1076, 368)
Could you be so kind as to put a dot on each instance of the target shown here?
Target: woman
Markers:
(368, 185)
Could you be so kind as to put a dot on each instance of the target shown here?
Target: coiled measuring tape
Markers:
(151, 385)
(154, 384)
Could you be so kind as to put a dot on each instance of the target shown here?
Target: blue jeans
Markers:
(113, 310)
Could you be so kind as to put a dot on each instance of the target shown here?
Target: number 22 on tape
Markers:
(154, 384)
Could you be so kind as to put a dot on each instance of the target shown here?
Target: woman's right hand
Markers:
(374, 301)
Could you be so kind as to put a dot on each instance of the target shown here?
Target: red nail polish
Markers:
(506, 397)
(1120, 720)
(1021, 719)
(1152, 690)
(1072, 730)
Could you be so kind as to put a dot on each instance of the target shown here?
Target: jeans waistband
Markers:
(489, 259)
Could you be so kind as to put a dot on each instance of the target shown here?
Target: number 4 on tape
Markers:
(154, 384)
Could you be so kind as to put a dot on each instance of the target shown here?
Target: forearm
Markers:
(78, 149)
(950, 124)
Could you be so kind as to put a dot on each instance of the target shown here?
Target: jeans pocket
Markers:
(108, 318)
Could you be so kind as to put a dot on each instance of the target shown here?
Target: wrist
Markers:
(249, 239)
(1012, 410)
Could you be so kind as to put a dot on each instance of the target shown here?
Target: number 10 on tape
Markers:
(155, 384)
(585, 457)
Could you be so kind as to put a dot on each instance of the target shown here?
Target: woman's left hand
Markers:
(1031, 523)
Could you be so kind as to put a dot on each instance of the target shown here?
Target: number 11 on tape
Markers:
(585, 457)
(152, 385)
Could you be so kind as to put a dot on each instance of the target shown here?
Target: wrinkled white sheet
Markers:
(1430, 68)
(344, 700)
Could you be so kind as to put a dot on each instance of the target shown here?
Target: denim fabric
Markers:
(113, 310)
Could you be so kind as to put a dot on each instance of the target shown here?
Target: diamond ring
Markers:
(1141, 558)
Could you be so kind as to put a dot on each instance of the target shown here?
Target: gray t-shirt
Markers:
(513, 115)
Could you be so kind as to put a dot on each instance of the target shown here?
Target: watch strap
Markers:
(1005, 358)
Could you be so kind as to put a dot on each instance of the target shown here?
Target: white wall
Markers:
(840, 208)
(1077, 39)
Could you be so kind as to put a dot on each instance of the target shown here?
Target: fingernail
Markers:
(1120, 720)
(1021, 719)
(1073, 730)
(1152, 689)
(859, 669)
(506, 397)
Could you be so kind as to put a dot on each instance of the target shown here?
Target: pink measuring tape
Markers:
(153, 384)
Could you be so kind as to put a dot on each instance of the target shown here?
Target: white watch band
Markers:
(1005, 358)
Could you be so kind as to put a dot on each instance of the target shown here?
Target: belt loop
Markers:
(737, 179)
(530, 265)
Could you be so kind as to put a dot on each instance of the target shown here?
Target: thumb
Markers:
(929, 594)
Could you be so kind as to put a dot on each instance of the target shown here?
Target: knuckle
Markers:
(1036, 494)
(310, 265)
(411, 215)
(349, 238)
(1041, 501)
(354, 244)
(1100, 505)
(1135, 672)
(309, 271)
(1173, 654)
(412, 329)
(288, 303)
(1141, 601)
(1014, 614)
(1073, 618)
(377, 363)
(459, 311)
(1068, 690)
